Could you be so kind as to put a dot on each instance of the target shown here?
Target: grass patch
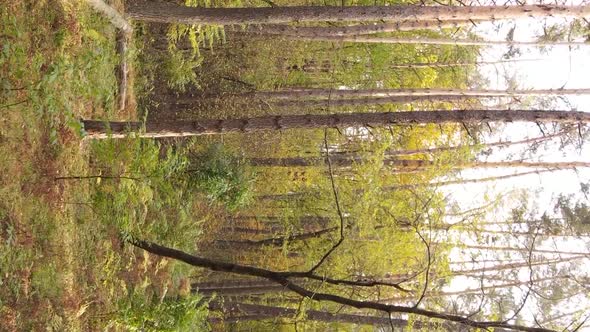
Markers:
(57, 65)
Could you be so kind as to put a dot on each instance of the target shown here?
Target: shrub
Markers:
(223, 176)
(180, 69)
(138, 313)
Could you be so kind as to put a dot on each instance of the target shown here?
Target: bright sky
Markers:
(560, 68)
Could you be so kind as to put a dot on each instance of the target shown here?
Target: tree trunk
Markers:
(334, 94)
(278, 240)
(465, 181)
(310, 66)
(290, 196)
(456, 64)
(469, 290)
(170, 13)
(521, 250)
(241, 291)
(231, 283)
(281, 240)
(112, 15)
(510, 266)
(483, 231)
(563, 315)
(393, 153)
(412, 164)
(236, 312)
(434, 41)
(356, 30)
(279, 122)
(365, 101)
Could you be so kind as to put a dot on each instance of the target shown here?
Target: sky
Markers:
(560, 67)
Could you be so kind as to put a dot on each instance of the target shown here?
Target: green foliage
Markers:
(57, 65)
(139, 313)
(66, 77)
(576, 214)
(44, 278)
(223, 176)
(180, 69)
(19, 216)
(180, 65)
(143, 194)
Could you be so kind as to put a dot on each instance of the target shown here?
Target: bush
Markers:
(223, 176)
(143, 193)
(168, 315)
(180, 69)
(151, 196)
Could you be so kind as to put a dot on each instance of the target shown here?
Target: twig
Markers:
(83, 177)
(15, 104)
(338, 208)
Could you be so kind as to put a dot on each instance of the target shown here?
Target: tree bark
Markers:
(434, 41)
(170, 13)
(281, 240)
(277, 240)
(356, 30)
(232, 283)
(265, 123)
(236, 312)
(311, 66)
(241, 291)
(503, 232)
(455, 64)
(365, 101)
(112, 15)
(334, 94)
(412, 164)
(522, 250)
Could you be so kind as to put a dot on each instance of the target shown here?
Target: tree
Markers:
(484, 146)
(455, 64)
(169, 13)
(354, 30)
(237, 312)
(207, 127)
(522, 250)
(434, 41)
(285, 279)
(575, 214)
(412, 164)
(332, 94)
(290, 196)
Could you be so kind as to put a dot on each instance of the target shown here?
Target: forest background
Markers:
(432, 223)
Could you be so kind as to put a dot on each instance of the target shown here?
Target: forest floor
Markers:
(60, 270)
(63, 262)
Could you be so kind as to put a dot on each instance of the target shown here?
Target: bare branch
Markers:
(283, 279)
(338, 208)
